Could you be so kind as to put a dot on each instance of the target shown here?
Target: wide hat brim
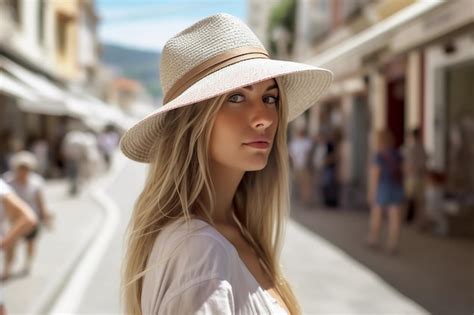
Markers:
(303, 85)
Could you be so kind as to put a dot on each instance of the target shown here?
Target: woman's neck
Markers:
(225, 182)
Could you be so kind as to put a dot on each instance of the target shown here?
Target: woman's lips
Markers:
(258, 145)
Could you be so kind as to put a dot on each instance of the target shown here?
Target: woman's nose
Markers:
(263, 116)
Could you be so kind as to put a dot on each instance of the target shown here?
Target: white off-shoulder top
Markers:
(193, 269)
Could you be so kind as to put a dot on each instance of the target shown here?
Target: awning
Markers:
(108, 113)
(76, 106)
(95, 113)
(37, 94)
(15, 88)
(373, 38)
(28, 100)
(51, 96)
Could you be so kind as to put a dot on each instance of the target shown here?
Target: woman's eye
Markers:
(271, 99)
(236, 98)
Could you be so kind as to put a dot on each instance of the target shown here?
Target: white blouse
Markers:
(193, 269)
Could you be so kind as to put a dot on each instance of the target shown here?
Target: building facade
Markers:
(48, 59)
(258, 17)
(398, 65)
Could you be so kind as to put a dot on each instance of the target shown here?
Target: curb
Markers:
(55, 286)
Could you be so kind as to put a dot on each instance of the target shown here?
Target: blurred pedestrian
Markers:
(108, 141)
(216, 198)
(40, 149)
(414, 157)
(435, 202)
(385, 194)
(74, 152)
(29, 186)
(93, 163)
(329, 176)
(299, 149)
(318, 155)
(21, 220)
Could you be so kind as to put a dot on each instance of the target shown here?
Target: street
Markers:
(325, 279)
(373, 98)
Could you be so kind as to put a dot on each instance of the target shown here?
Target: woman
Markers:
(28, 185)
(385, 191)
(22, 220)
(206, 231)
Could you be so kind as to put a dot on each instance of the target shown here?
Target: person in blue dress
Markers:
(385, 193)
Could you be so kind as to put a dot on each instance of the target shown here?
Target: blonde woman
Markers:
(206, 232)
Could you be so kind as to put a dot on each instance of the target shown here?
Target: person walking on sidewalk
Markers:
(28, 185)
(299, 149)
(107, 142)
(329, 176)
(22, 220)
(385, 192)
(80, 153)
(206, 232)
(435, 202)
(415, 157)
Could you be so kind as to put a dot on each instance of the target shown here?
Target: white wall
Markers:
(25, 39)
(313, 19)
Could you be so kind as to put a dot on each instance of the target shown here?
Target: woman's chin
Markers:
(258, 166)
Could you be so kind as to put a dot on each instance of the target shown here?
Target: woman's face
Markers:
(22, 172)
(247, 118)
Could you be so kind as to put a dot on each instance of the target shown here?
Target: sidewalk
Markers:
(437, 273)
(327, 281)
(75, 223)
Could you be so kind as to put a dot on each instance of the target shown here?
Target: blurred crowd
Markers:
(81, 154)
(24, 210)
(401, 185)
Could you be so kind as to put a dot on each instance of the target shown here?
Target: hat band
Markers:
(211, 65)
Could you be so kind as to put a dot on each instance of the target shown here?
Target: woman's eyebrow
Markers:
(271, 87)
(274, 86)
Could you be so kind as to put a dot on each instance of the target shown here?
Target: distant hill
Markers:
(139, 65)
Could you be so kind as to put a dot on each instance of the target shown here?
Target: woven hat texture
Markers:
(186, 79)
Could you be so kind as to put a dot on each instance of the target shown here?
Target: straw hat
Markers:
(23, 158)
(215, 56)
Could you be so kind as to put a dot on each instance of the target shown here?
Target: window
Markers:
(41, 21)
(62, 22)
(15, 10)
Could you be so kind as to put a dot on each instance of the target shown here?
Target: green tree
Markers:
(284, 15)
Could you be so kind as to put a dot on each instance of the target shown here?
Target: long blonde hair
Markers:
(179, 185)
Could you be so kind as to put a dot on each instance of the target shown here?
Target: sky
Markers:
(147, 24)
